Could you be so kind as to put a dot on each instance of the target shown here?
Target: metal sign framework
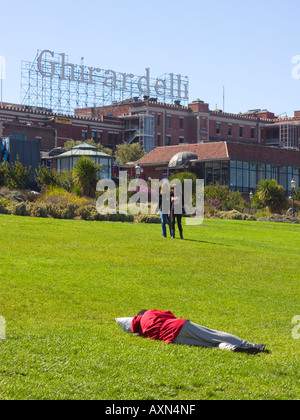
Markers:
(50, 81)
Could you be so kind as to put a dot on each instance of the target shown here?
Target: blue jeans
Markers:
(164, 222)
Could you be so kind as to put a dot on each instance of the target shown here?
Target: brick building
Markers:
(53, 130)
(159, 126)
(156, 124)
(149, 122)
(241, 166)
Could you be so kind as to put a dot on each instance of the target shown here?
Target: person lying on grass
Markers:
(163, 326)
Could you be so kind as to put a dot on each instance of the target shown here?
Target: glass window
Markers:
(225, 173)
(261, 172)
(209, 173)
(274, 173)
(218, 128)
(283, 177)
(253, 177)
(217, 172)
(168, 122)
(229, 130)
(233, 174)
(241, 131)
(239, 175)
(289, 177)
(245, 176)
(296, 176)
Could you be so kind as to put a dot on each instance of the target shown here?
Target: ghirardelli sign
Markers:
(169, 87)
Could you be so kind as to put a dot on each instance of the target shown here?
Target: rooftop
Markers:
(224, 151)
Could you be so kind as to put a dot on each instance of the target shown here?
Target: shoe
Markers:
(258, 348)
(261, 347)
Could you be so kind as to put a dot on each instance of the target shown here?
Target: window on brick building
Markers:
(181, 140)
(241, 131)
(158, 140)
(218, 128)
(168, 122)
(229, 130)
(158, 120)
(181, 123)
(252, 133)
(168, 140)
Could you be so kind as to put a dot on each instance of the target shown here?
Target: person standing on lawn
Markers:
(176, 212)
(164, 207)
(164, 326)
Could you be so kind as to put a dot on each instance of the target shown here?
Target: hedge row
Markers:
(61, 211)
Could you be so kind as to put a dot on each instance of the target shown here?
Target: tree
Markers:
(44, 176)
(129, 153)
(16, 176)
(69, 144)
(2, 175)
(272, 195)
(85, 176)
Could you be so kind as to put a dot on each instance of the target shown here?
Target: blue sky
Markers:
(245, 46)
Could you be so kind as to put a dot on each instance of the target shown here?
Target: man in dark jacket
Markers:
(164, 326)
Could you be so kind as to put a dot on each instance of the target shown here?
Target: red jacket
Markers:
(157, 325)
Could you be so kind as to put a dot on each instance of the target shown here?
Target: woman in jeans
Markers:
(175, 203)
(164, 207)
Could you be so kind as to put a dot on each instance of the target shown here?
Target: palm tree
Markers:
(85, 176)
(272, 195)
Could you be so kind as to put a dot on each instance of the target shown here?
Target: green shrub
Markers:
(44, 176)
(85, 176)
(87, 213)
(262, 213)
(16, 175)
(279, 218)
(20, 209)
(182, 176)
(149, 219)
(65, 180)
(3, 207)
(272, 195)
(2, 176)
(58, 195)
(232, 214)
(223, 198)
(62, 211)
(38, 210)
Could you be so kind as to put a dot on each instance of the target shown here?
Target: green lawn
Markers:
(63, 283)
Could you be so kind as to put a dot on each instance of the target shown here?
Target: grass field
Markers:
(63, 283)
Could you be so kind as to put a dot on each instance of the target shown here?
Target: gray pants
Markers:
(196, 335)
